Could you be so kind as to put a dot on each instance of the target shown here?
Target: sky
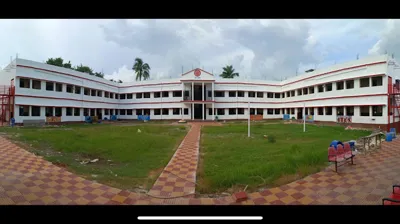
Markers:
(270, 49)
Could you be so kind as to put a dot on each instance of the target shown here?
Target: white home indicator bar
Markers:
(200, 217)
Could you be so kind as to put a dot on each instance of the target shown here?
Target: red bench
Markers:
(340, 156)
(394, 198)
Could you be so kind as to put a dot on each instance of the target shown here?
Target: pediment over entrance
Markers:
(198, 74)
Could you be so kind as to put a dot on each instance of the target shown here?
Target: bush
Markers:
(271, 139)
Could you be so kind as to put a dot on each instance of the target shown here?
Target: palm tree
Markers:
(228, 72)
(141, 69)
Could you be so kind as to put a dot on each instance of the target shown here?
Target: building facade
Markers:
(359, 90)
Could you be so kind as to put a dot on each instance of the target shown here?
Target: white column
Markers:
(192, 92)
(202, 95)
(203, 110)
(212, 91)
(183, 90)
(213, 117)
(192, 113)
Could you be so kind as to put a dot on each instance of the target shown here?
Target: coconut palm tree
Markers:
(228, 72)
(141, 69)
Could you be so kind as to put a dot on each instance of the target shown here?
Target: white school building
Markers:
(360, 92)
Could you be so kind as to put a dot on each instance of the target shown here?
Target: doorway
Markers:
(299, 113)
(198, 92)
(199, 111)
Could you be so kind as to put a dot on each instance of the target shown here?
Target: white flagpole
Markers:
(304, 117)
(248, 121)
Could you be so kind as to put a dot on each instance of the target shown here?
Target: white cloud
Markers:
(266, 49)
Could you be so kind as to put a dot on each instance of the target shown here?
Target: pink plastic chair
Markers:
(347, 151)
(340, 153)
(331, 154)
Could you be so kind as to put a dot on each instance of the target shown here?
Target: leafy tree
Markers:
(67, 65)
(80, 68)
(99, 74)
(85, 69)
(55, 61)
(141, 69)
(228, 72)
(119, 81)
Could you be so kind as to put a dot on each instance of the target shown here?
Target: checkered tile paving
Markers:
(179, 177)
(26, 179)
(365, 183)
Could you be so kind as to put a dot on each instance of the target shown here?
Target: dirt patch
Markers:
(62, 165)
(287, 179)
(156, 173)
(152, 178)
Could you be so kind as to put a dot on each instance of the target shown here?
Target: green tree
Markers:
(141, 69)
(228, 72)
(55, 61)
(80, 68)
(67, 65)
(85, 69)
(99, 74)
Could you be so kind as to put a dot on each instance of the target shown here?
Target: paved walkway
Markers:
(28, 179)
(179, 176)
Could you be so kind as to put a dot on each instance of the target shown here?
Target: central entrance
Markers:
(199, 111)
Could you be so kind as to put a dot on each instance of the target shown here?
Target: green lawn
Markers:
(230, 160)
(127, 159)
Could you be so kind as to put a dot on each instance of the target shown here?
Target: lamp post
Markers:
(248, 121)
(304, 117)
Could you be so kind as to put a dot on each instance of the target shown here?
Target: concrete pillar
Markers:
(192, 109)
(202, 91)
(213, 117)
(203, 108)
(183, 91)
(212, 91)
(192, 92)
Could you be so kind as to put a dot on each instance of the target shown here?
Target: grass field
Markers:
(127, 159)
(230, 160)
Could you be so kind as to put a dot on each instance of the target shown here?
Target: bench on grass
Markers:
(341, 155)
(394, 198)
(34, 123)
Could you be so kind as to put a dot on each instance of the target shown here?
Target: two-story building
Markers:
(360, 90)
